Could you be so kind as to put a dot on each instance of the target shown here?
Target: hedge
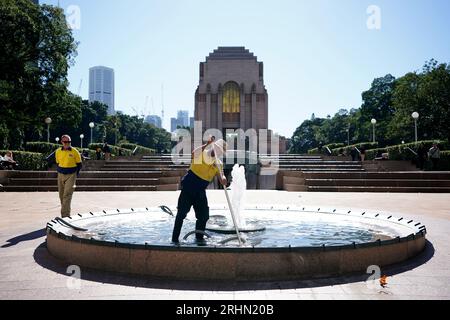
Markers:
(28, 160)
(331, 146)
(444, 162)
(48, 148)
(114, 149)
(41, 147)
(365, 145)
(401, 151)
(139, 149)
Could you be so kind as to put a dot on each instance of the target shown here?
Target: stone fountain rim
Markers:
(418, 231)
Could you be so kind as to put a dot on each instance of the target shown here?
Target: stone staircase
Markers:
(155, 173)
(347, 176)
(310, 163)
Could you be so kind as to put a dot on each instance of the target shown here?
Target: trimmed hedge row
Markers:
(331, 146)
(444, 163)
(115, 150)
(139, 149)
(48, 148)
(42, 147)
(365, 145)
(28, 160)
(401, 151)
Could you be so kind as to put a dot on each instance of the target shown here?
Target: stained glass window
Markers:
(231, 98)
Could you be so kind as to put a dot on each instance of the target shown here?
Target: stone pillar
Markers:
(243, 111)
(254, 112)
(208, 108)
(220, 111)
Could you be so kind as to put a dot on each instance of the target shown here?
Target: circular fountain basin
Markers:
(286, 243)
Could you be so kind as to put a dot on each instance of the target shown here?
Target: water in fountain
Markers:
(238, 187)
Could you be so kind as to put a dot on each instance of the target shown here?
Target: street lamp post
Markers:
(57, 140)
(415, 116)
(81, 137)
(48, 121)
(91, 125)
(374, 122)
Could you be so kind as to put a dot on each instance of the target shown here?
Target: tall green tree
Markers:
(377, 104)
(428, 93)
(36, 51)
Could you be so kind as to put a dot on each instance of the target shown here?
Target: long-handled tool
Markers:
(236, 227)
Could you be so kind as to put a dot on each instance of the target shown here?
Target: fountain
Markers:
(281, 242)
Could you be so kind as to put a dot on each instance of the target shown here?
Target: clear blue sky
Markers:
(319, 55)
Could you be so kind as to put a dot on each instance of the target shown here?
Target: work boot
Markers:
(200, 242)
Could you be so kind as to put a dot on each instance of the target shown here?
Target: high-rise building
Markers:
(101, 86)
(183, 118)
(154, 120)
(191, 122)
(173, 124)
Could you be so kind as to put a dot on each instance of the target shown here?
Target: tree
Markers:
(36, 52)
(306, 136)
(377, 104)
(427, 93)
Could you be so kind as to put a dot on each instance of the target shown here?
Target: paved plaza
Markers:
(27, 271)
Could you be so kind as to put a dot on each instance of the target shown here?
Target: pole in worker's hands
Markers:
(216, 161)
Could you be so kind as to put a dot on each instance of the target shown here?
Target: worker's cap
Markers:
(66, 138)
(219, 147)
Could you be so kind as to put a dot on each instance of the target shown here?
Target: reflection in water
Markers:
(283, 229)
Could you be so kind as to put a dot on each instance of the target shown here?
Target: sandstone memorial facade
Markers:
(231, 92)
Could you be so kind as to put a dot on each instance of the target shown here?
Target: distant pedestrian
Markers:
(421, 156)
(107, 151)
(98, 153)
(320, 147)
(8, 161)
(69, 164)
(363, 153)
(434, 154)
(354, 154)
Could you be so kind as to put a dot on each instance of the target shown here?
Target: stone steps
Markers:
(119, 175)
(378, 189)
(37, 188)
(345, 181)
(377, 182)
(99, 174)
(379, 175)
(119, 181)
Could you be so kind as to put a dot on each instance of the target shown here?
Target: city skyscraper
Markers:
(101, 86)
(183, 118)
(173, 124)
(154, 120)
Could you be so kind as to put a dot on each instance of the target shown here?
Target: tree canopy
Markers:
(391, 102)
(35, 55)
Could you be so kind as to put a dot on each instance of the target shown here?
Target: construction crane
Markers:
(135, 111)
(145, 110)
(79, 87)
(162, 102)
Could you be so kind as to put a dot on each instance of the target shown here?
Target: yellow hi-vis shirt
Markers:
(67, 159)
(204, 167)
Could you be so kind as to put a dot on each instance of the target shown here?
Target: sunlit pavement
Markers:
(27, 271)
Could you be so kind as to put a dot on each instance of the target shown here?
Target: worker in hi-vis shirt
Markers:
(69, 164)
(193, 187)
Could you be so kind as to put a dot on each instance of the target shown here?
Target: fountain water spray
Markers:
(238, 187)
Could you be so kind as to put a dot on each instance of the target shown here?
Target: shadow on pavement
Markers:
(25, 237)
(43, 258)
